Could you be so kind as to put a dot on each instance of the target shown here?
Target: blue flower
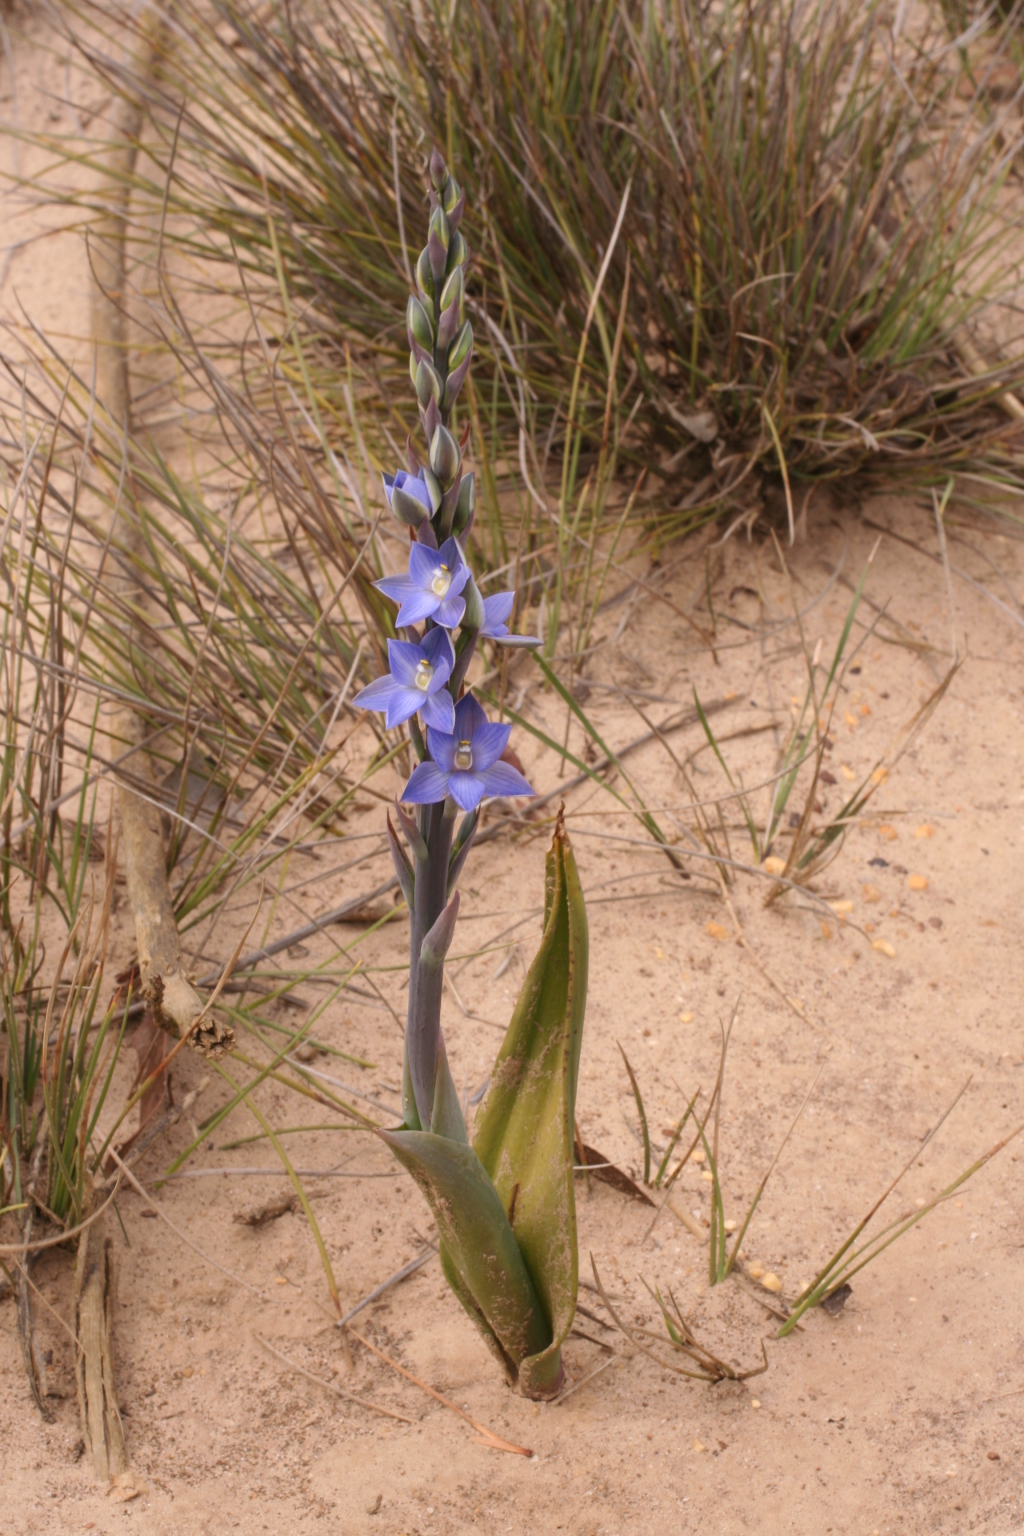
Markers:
(413, 503)
(496, 612)
(466, 762)
(416, 682)
(431, 589)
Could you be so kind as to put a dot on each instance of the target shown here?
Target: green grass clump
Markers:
(807, 221)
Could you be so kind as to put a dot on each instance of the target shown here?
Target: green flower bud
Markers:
(458, 251)
(428, 384)
(418, 324)
(438, 227)
(450, 194)
(424, 275)
(460, 347)
(466, 504)
(438, 169)
(445, 457)
(454, 289)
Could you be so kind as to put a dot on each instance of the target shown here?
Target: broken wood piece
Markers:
(95, 1299)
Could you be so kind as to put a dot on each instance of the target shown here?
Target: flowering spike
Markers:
(504, 1208)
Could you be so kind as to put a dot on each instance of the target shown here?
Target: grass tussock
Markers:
(750, 237)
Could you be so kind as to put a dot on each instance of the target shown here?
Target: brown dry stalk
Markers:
(176, 1006)
(95, 1301)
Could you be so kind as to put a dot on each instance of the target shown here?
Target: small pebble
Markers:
(871, 893)
(716, 930)
(847, 773)
(697, 1445)
(850, 719)
(280, 1280)
(730, 1226)
(917, 882)
(686, 1018)
(993, 1455)
(884, 948)
(707, 1174)
(826, 929)
(772, 1283)
(889, 833)
(839, 907)
(924, 830)
(189, 1370)
(755, 1402)
(698, 1156)
(773, 865)
(755, 1270)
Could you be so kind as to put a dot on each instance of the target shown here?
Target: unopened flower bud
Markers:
(438, 227)
(466, 504)
(445, 457)
(454, 291)
(418, 324)
(438, 169)
(458, 251)
(428, 384)
(461, 347)
(425, 275)
(450, 193)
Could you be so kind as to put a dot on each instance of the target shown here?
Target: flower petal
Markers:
(423, 563)
(469, 717)
(398, 588)
(489, 742)
(503, 779)
(451, 612)
(419, 606)
(427, 785)
(442, 747)
(404, 703)
(466, 789)
(496, 611)
(451, 554)
(459, 578)
(439, 651)
(438, 711)
(377, 695)
(403, 659)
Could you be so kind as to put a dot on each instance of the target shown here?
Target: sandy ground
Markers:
(905, 1413)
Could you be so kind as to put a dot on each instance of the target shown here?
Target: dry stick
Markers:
(95, 1303)
(176, 1005)
(331, 1386)
(487, 1436)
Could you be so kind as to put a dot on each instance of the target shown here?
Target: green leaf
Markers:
(481, 1260)
(524, 1133)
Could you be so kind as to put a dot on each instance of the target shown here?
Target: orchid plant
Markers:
(504, 1205)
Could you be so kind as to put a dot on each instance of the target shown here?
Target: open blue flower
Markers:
(495, 626)
(466, 762)
(415, 683)
(431, 588)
